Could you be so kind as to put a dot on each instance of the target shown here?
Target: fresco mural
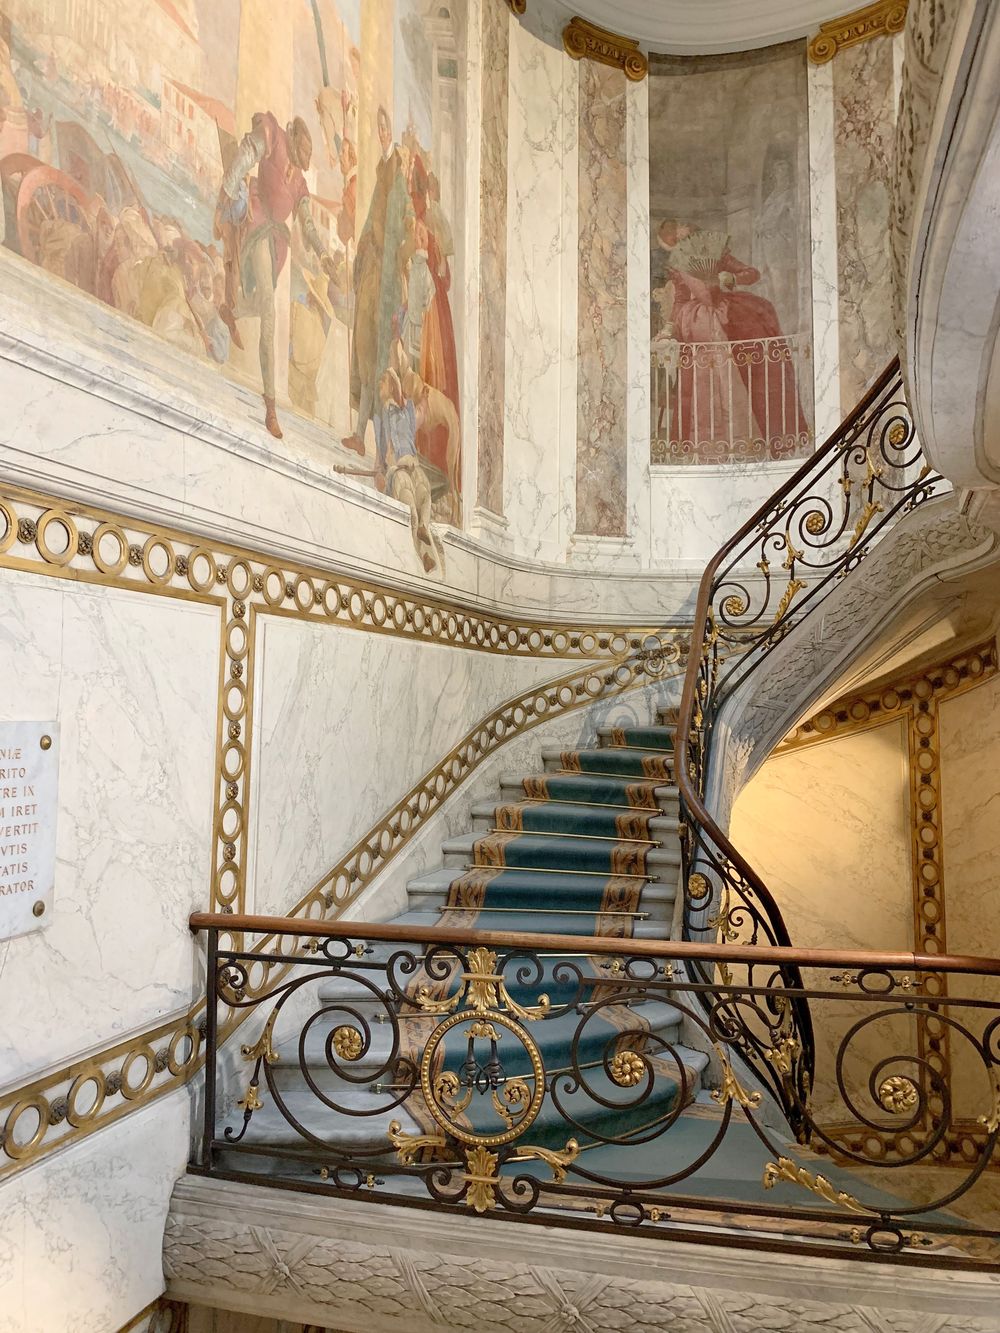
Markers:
(730, 264)
(273, 189)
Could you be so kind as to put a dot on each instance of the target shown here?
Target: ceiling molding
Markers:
(696, 27)
(586, 41)
(881, 19)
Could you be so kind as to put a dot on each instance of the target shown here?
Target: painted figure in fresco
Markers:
(708, 307)
(252, 219)
(430, 336)
(378, 279)
(399, 471)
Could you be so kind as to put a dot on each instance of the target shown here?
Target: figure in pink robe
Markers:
(713, 407)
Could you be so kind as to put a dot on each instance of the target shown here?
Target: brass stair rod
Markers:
(551, 911)
(554, 833)
(554, 870)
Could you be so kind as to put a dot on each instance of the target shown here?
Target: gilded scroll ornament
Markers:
(347, 1042)
(586, 41)
(881, 19)
(731, 1089)
(785, 1169)
(782, 1054)
(482, 1179)
(627, 1068)
(898, 1094)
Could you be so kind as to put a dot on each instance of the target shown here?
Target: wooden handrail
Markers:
(901, 961)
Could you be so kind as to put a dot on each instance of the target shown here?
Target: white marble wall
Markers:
(823, 231)
(969, 731)
(828, 828)
(132, 680)
(346, 723)
(81, 1237)
(542, 224)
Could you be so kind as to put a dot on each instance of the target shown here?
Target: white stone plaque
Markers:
(29, 787)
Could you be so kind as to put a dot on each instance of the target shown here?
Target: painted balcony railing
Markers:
(589, 1083)
(730, 402)
(776, 571)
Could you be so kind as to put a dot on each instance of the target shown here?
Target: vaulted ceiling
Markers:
(689, 26)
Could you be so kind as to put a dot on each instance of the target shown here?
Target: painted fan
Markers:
(700, 253)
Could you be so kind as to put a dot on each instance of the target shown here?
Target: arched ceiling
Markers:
(695, 26)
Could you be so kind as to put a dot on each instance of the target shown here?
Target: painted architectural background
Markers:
(275, 190)
(729, 233)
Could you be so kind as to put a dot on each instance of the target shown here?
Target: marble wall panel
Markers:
(132, 679)
(493, 252)
(541, 370)
(81, 1238)
(969, 730)
(602, 305)
(823, 244)
(864, 120)
(346, 723)
(828, 829)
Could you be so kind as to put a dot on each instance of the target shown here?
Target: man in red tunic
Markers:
(252, 218)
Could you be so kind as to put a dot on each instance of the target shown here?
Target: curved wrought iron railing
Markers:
(555, 1079)
(772, 574)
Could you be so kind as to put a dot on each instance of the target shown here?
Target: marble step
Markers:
(617, 762)
(512, 790)
(662, 863)
(430, 889)
(662, 828)
(659, 738)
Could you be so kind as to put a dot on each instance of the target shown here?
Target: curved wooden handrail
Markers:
(862, 959)
(699, 631)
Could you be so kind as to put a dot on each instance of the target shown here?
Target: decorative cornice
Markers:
(883, 18)
(584, 40)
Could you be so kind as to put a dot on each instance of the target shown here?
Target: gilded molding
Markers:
(41, 534)
(881, 19)
(915, 702)
(586, 41)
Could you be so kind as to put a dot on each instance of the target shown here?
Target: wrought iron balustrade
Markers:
(556, 1079)
(773, 573)
(731, 402)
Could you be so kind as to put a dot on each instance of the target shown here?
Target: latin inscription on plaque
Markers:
(29, 783)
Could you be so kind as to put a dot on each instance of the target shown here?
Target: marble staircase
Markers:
(586, 846)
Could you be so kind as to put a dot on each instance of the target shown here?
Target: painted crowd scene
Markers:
(274, 189)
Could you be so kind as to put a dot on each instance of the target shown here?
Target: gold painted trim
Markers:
(881, 19)
(586, 41)
(114, 551)
(914, 701)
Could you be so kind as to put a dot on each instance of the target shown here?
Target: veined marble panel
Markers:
(823, 245)
(693, 511)
(80, 1238)
(601, 462)
(969, 734)
(828, 829)
(345, 724)
(637, 387)
(133, 681)
(493, 251)
(540, 361)
(864, 121)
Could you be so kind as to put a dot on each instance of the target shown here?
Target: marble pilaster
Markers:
(864, 120)
(823, 230)
(601, 458)
(496, 21)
